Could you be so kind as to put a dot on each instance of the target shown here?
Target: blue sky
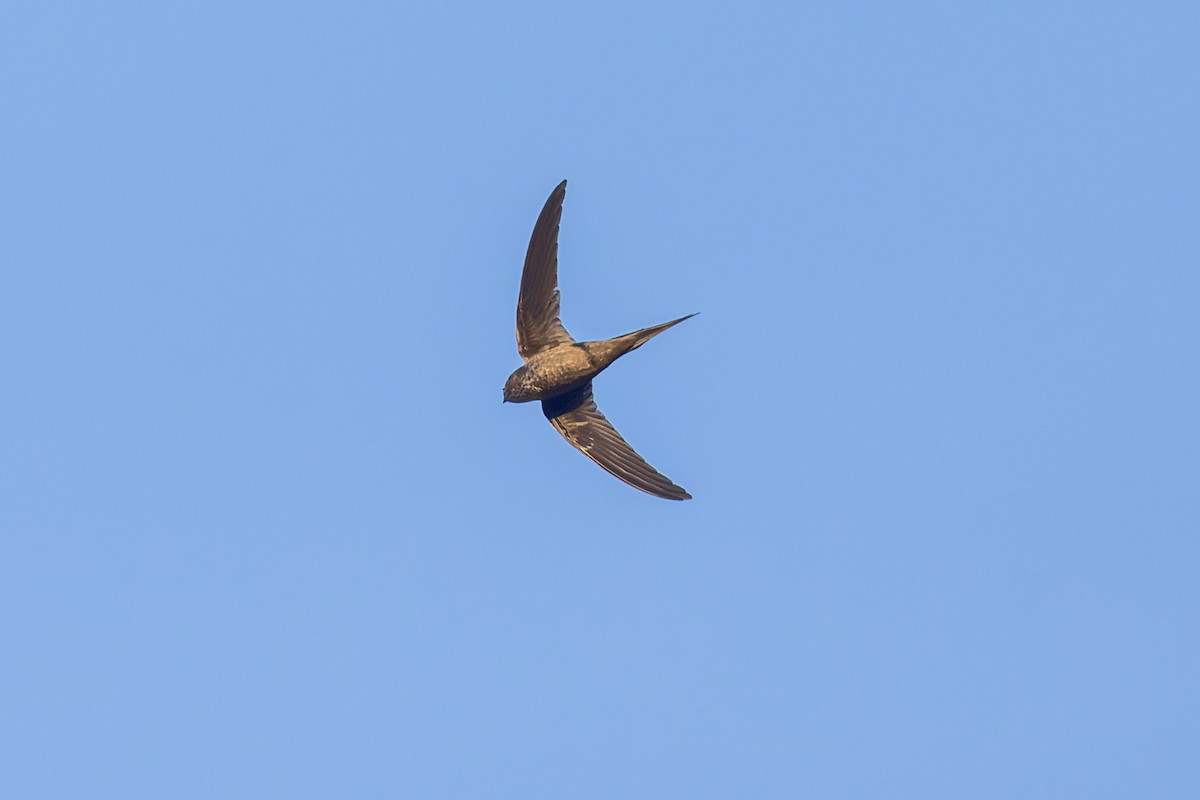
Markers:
(268, 530)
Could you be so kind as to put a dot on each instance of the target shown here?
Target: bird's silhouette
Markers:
(558, 370)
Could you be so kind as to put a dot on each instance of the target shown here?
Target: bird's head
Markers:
(517, 389)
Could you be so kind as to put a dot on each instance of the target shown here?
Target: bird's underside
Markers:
(558, 370)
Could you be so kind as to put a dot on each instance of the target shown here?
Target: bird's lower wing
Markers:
(576, 417)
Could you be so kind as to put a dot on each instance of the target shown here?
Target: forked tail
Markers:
(632, 341)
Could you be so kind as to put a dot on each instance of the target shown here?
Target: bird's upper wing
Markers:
(538, 325)
(576, 417)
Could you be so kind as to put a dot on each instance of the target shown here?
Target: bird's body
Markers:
(563, 368)
(558, 370)
(551, 372)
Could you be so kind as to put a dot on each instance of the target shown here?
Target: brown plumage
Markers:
(558, 370)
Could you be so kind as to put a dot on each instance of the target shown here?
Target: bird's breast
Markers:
(559, 369)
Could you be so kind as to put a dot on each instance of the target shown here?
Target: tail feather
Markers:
(632, 341)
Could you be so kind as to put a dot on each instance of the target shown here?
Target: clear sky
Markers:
(268, 531)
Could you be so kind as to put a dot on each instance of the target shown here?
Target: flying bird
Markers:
(558, 370)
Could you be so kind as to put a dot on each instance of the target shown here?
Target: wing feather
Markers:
(580, 422)
(538, 325)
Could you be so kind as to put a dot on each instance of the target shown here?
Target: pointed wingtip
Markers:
(673, 493)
